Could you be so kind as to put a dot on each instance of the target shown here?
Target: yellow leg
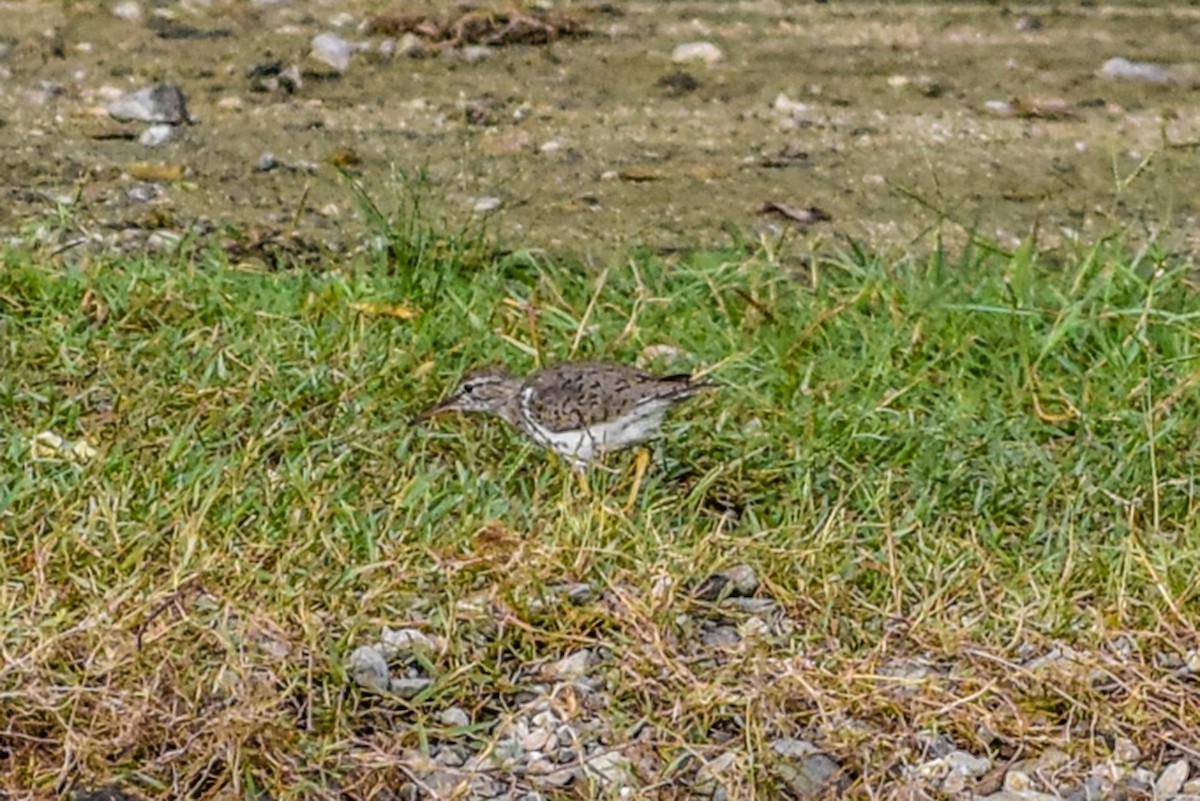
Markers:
(639, 469)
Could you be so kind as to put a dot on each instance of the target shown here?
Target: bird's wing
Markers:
(570, 397)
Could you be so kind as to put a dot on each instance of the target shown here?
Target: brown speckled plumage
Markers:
(579, 409)
(574, 395)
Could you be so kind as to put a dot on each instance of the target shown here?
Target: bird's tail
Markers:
(689, 385)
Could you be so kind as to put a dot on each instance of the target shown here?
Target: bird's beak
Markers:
(448, 405)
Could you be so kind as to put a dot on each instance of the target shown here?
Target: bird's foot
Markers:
(641, 462)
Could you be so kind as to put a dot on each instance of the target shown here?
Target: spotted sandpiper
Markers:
(581, 410)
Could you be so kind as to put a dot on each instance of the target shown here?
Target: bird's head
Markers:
(490, 390)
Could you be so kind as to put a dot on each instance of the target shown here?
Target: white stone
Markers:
(791, 108)
(411, 45)
(1144, 776)
(156, 135)
(1143, 71)
(1124, 750)
(792, 748)
(473, 54)
(615, 769)
(486, 204)
(967, 764)
(536, 740)
(1017, 781)
(753, 627)
(162, 102)
(571, 667)
(130, 11)
(394, 642)
(1170, 782)
(954, 783)
(544, 719)
(368, 668)
(666, 353)
(704, 52)
(714, 768)
(455, 716)
(332, 50)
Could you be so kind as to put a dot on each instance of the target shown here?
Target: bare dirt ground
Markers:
(993, 117)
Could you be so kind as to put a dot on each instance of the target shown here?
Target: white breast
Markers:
(581, 446)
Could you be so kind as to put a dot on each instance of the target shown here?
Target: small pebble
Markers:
(715, 768)
(954, 783)
(1143, 71)
(720, 637)
(1091, 790)
(1143, 778)
(614, 768)
(267, 162)
(332, 50)
(571, 667)
(544, 720)
(1017, 781)
(411, 45)
(810, 777)
(368, 668)
(967, 764)
(737, 581)
(486, 204)
(704, 52)
(753, 627)
(507, 750)
(156, 135)
(792, 748)
(664, 353)
(1170, 782)
(128, 11)
(1126, 751)
(161, 103)
(788, 107)
(536, 740)
(451, 758)
(454, 716)
(576, 593)
(402, 641)
(476, 54)
(142, 193)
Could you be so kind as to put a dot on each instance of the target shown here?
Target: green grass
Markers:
(958, 462)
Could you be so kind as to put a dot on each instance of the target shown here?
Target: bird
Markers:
(581, 410)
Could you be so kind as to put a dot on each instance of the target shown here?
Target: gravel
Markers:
(557, 734)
